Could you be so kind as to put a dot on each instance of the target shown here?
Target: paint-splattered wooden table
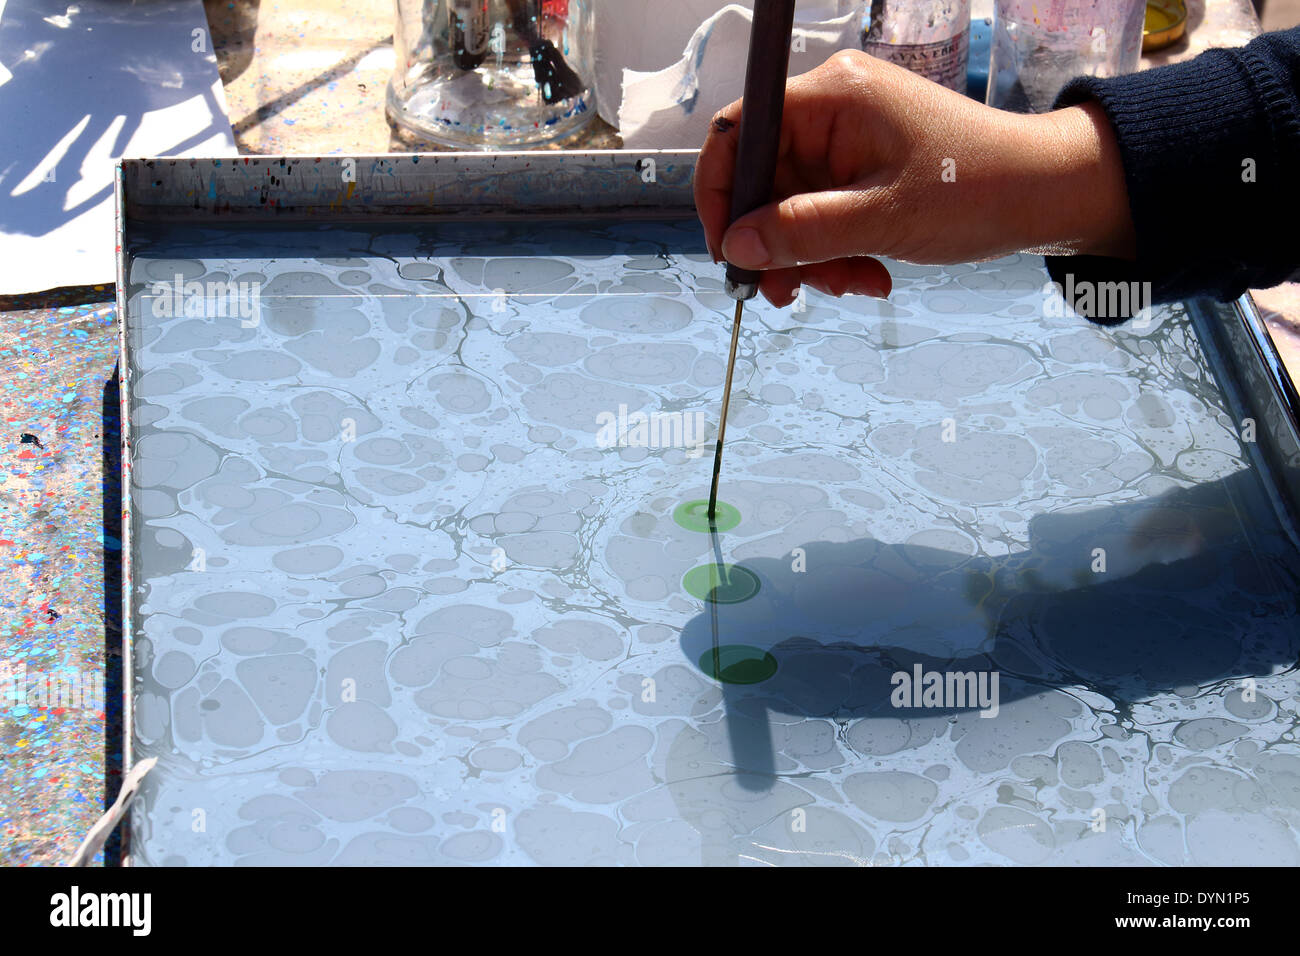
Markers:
(60, 638)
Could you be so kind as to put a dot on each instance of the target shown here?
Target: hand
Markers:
(876, 160)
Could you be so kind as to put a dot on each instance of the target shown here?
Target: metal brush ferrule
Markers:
(740, 291)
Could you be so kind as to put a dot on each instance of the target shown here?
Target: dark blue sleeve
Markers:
(1211, 153)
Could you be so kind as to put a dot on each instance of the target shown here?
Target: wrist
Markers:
(1076, 199)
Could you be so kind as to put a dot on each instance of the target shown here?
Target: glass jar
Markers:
(493, 74)
(1040, 45)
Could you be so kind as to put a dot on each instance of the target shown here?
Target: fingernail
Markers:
(744, 247)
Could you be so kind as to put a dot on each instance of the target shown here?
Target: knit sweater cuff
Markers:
(1203, 145)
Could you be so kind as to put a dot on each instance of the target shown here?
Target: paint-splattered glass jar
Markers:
(930, 37)
(493, 74)
(1040, 45)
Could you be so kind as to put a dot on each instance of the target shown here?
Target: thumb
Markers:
(807, 227)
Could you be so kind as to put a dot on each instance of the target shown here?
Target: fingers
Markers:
(807, 228)
(861, 275)
(714, 171)
(832, 201)
(779, 286)
(832, 96)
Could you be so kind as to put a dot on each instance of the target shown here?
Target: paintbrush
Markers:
(756, 155)
(875, 23)
(555, 78)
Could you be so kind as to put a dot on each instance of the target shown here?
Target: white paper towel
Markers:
(661, 78)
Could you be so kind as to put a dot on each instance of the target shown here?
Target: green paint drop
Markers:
(694, 516)
(738, 664)
(729, 584)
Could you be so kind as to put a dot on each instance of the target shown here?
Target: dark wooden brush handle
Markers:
(760, 114)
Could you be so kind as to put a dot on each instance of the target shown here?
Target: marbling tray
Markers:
(409, 582)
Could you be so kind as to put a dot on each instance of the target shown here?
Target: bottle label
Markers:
(943, 61)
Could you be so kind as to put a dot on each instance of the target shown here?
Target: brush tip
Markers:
(555, 78)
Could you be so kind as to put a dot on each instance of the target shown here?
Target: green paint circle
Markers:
(694, 516)
(729, 585)
(738, 664)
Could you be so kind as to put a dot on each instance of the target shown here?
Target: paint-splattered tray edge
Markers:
(409, 185)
